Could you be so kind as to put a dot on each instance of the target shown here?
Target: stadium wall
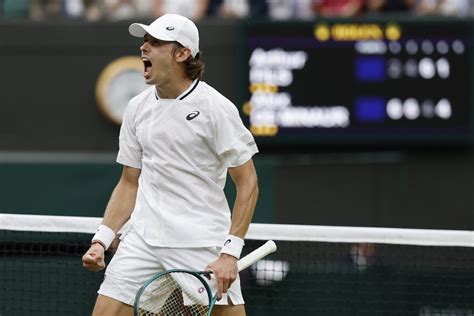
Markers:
(49, 73)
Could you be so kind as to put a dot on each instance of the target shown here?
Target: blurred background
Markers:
(362, 109)
(363, 112)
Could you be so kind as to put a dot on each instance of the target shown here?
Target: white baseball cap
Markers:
(170, 27)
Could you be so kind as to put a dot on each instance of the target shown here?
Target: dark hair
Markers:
(193, 66)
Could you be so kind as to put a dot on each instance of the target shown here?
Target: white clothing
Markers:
(182, 7)
(127, 10)
(135, 262)
(290, 9)
(183, 147)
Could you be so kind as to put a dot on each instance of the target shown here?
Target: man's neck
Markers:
(172, 90)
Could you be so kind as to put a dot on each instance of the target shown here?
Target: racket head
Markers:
(175, 292)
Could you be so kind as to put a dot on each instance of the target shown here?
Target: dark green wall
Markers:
(80, 185)
(407, 188)
(387, 189)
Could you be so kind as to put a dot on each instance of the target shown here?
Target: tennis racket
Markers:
(184, 292)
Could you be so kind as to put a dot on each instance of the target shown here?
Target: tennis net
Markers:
(317, 270)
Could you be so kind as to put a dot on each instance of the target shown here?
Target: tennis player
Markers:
(178, 140)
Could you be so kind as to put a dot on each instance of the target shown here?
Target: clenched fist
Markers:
(93, 259)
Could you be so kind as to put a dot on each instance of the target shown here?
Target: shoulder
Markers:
(144, 96)
(140, 100)
(217, 102)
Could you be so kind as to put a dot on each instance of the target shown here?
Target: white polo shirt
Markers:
(183, 147)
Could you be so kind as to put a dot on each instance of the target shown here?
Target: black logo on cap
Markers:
(192, 115)
(170, 28)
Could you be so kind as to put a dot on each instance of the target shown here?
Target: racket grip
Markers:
(262, 251)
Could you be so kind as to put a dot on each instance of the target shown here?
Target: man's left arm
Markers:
(246, 183)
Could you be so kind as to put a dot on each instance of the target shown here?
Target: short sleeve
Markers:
(130, 150)
(233, 141)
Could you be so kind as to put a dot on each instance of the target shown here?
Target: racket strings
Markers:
(176, 293)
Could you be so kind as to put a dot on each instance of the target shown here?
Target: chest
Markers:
(175, 127)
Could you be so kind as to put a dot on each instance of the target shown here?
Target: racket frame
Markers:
(196, 274)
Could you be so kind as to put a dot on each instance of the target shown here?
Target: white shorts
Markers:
(136, 261)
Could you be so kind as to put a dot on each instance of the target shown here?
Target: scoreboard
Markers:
(358, 82)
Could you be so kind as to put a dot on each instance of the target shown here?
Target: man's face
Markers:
(157, 56)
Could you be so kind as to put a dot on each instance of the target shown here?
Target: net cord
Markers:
(318, 233)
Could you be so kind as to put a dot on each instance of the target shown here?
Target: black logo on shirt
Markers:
(170, 28)
(192, 115)
(227, 242)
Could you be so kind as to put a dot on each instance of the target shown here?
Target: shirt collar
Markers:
(186, 92)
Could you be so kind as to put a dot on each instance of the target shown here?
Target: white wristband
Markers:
(105, 235)
(233, 246)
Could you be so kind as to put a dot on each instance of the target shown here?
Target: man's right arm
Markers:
(123, 198)
(117, 213)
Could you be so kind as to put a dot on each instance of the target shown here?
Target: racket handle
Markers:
(256, 255)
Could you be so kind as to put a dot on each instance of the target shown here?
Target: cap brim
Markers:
(139, 30)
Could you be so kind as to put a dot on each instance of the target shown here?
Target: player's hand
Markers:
(225, 272)
(93, 259)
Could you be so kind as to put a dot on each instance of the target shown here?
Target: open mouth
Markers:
(147, 66)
